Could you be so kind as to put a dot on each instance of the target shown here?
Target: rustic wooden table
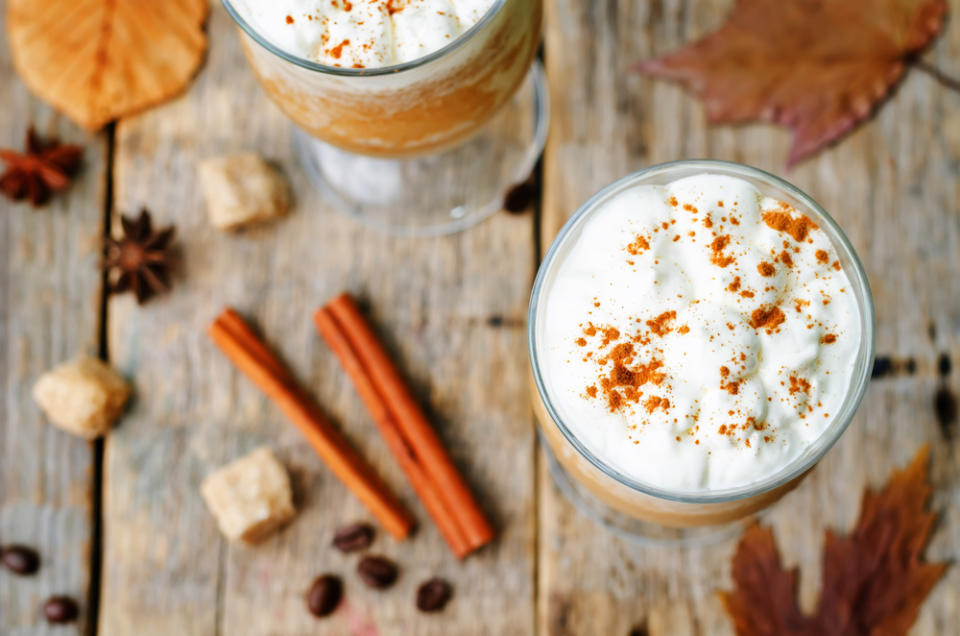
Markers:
(453, 311)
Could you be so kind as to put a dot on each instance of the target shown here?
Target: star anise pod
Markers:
(45, 166)
(140, 260)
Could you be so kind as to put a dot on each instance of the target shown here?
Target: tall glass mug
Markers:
(423, 147)
(643, 509)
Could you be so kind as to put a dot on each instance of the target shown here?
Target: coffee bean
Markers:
(354, 537)
(61, 609)
(946, 409)
(881, 367)
(376, 571)
(943, 365)
(520, 197)
(20, 559)
(433, 595)
(324, 595)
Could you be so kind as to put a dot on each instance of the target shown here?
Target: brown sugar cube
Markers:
(242, 189)
(83, 397)
(250, 497)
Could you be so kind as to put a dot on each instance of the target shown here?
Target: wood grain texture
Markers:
(49, 309)
(892, 185)
(451, 310)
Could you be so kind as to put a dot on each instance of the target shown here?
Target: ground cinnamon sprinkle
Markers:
(621, 385)
(822, 256)
(673, 201)
(683, 329)
(654, 402)
(649, 373)
(717, 257)
(639, 244)
(786, 259)
(735, 285)
(622, 353)
(689, 208)
(337, 51)
(660, 325)
(730, 387)
(768, 318)
(797, 227)
(747, 293)
(582, 342)
(798, 385)
(766, 269)
(829, 338)
(609, 335)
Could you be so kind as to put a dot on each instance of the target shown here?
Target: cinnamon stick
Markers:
(241, 331)
(250, 355)
(405, 455)
(440, 479)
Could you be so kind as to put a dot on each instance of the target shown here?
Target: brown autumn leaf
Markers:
(818, 67)
(98, 60)
(874, 579)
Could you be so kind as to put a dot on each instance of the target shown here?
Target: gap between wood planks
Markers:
(96, 533)
(537, 212)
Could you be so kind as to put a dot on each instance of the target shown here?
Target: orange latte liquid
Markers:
(639, 505)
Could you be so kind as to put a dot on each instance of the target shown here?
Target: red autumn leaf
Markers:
(874, 579)
(818, 67)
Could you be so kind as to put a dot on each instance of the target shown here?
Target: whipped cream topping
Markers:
(361, 33)
(699, 335)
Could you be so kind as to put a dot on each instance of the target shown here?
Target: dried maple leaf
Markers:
(98, 60)
(44, 167)
(140, 260)
(874, 579)
(818, 67)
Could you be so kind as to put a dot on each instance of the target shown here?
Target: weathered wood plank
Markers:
(892, 186)
(450, 309)
(49, 311)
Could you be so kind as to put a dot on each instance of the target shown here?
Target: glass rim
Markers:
(859, 381)
(459, 41)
